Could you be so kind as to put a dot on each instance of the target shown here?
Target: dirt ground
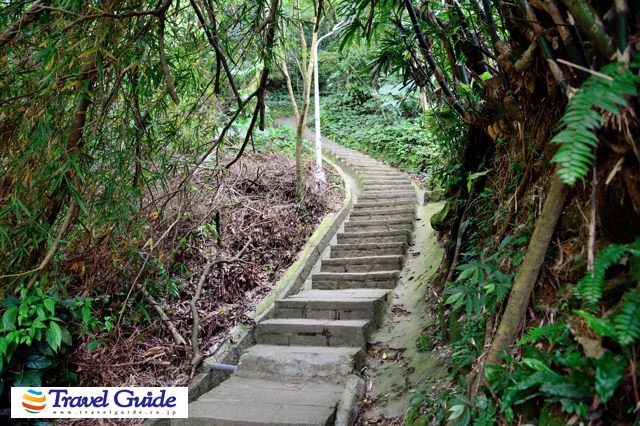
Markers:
(401, 361)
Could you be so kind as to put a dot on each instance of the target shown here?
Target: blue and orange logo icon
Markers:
(34, 401)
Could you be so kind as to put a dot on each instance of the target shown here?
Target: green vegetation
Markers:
(138, 153)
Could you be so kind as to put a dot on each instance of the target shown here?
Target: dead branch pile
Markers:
(246, 225)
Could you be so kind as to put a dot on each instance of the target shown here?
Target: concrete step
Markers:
(247, 401)
(375, 206)
(384, 213)
(299, 362)
(346, 280)
(382, 174)
(383, 178)
(371, 249)
(391, 180)
(346, 304)
(314, 332)
(389, 201)
(363, 264)
(379, 225)
(372, 215)
(400, 236)
(387, 186)
(378, 193)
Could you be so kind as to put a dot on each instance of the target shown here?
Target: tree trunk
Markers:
(74, 145)
(528, 272)
(302, 122)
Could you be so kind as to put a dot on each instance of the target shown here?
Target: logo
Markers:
(95, 402)
(34, 401)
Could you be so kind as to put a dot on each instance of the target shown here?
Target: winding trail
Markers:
(300, 372)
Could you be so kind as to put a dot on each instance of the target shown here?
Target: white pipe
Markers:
(319, 172)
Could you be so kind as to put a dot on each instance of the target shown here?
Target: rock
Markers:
(440, 219)
(436, 195)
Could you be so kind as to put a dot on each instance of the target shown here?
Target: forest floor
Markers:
(259, 222)
(401, 360)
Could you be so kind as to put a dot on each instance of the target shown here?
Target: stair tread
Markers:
(380, 221)
(357, 259)
(391, 232)
(356, 274)
(316, 322)
(346, 295)
(369, 245)
(241, 400)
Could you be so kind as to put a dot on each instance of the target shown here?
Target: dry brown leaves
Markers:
(256, 207)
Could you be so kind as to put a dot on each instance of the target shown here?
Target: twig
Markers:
(27, 18)
(592, 221)
(107, 15)
(144, 361)
(634, 380)
(197, 354)
(581, 68)
(63, 229)
(146, 259)
(172, 328)
(165, 66)
(461, 229)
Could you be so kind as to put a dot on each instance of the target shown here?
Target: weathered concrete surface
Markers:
(244, 401)
(299, 362)
(395, 367)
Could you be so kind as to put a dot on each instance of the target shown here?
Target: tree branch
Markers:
(163, 60)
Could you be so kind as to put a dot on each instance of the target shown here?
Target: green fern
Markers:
(590, 287)
(581, 121)
(549, 331)
(627, 322)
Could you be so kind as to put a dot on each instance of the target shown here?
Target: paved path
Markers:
(297, 372)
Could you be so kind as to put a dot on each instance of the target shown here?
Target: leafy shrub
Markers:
(554, 367)
(35, 333)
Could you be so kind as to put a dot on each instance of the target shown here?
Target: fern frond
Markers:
(549, 331)
(590, 286)
(580, 122)
(627, 322)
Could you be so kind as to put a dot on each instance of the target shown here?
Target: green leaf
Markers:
(609, 372)
(50, 305)
(537, 365)
(66, 337)
(27, 379)
(453, 298)
(486, 76)
(54, 336)
(92, 345)
(38, 362)
(456, 411)
(602, 326)
(627, 322)
(564, 389)
(9, 318)
(581, 120)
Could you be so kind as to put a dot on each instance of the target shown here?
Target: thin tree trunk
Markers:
(165, 66)
(528, 272)
(292, 95)
(74, 144)
(424, 48)
(302, 121)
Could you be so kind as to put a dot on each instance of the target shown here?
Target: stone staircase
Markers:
(297, 372)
